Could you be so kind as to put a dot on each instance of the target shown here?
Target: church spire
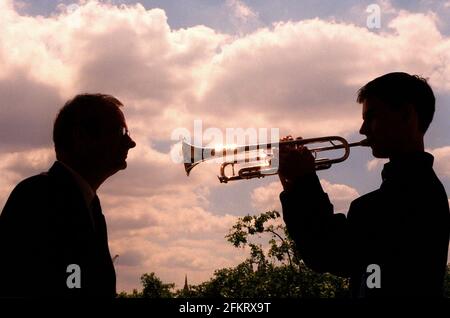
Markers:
(186, 286)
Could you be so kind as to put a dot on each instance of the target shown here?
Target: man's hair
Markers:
(87, 112)
(398, 89)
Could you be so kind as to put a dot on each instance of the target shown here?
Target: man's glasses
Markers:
(124, 132)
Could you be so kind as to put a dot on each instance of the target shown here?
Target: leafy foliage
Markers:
(274, 269)
(244, 281)
(155, 288)
(277, 273)
(447, 283)
(134, 294)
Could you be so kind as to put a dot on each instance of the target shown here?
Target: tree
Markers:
(134, 294)
(281, 246)
(155, 288)
(274, 268)
(279, 272)
(447, 283)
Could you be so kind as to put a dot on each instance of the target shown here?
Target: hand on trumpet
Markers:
(295, 161)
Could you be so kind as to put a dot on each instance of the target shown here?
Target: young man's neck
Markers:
(408, 149)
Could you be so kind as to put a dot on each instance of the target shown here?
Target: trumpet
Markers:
(259, 157)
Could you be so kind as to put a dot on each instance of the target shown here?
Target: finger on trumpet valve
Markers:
(286, 138)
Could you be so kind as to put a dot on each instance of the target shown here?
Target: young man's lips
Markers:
(368, 142)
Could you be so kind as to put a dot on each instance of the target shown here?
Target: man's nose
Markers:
(131, 142)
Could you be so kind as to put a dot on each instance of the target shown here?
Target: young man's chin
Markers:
(379, 154)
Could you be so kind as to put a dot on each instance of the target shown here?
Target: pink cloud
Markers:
(441, 161)
(267, 197)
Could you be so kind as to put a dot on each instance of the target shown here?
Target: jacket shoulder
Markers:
(363, 203)
(39, 179)
(366, 198)
(33, 186)
(28, 195)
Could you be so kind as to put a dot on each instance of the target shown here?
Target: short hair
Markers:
(398, 89)
(86, 111)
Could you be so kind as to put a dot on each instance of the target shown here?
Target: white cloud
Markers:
(276, 73)
(15, 166)
(171, 241)
(174, 76)
(267, 197)
(169, 231)
(375, 164)
(387, 7)
(340, 195)
(241, 10)
(20, 126)
(242, 17)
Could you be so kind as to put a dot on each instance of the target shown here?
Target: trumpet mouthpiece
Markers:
(364, 143)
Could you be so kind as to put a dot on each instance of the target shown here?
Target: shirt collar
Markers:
(86, 189)
(408, 164)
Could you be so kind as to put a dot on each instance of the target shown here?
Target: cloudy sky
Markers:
(286, 64)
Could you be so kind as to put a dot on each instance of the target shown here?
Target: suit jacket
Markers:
(403, 227)
(46, 226)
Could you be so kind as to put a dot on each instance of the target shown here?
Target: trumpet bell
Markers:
(192, 155)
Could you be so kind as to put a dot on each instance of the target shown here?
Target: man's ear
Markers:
(410, 115)
(82, 139)
(79, 135)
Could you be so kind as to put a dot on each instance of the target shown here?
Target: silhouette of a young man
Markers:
(53, 237)
(394, 240)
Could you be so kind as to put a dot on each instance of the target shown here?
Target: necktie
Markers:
(99, 221)
(107, 274)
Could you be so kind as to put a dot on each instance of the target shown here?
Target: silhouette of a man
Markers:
(53, 237)
(394, 241)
